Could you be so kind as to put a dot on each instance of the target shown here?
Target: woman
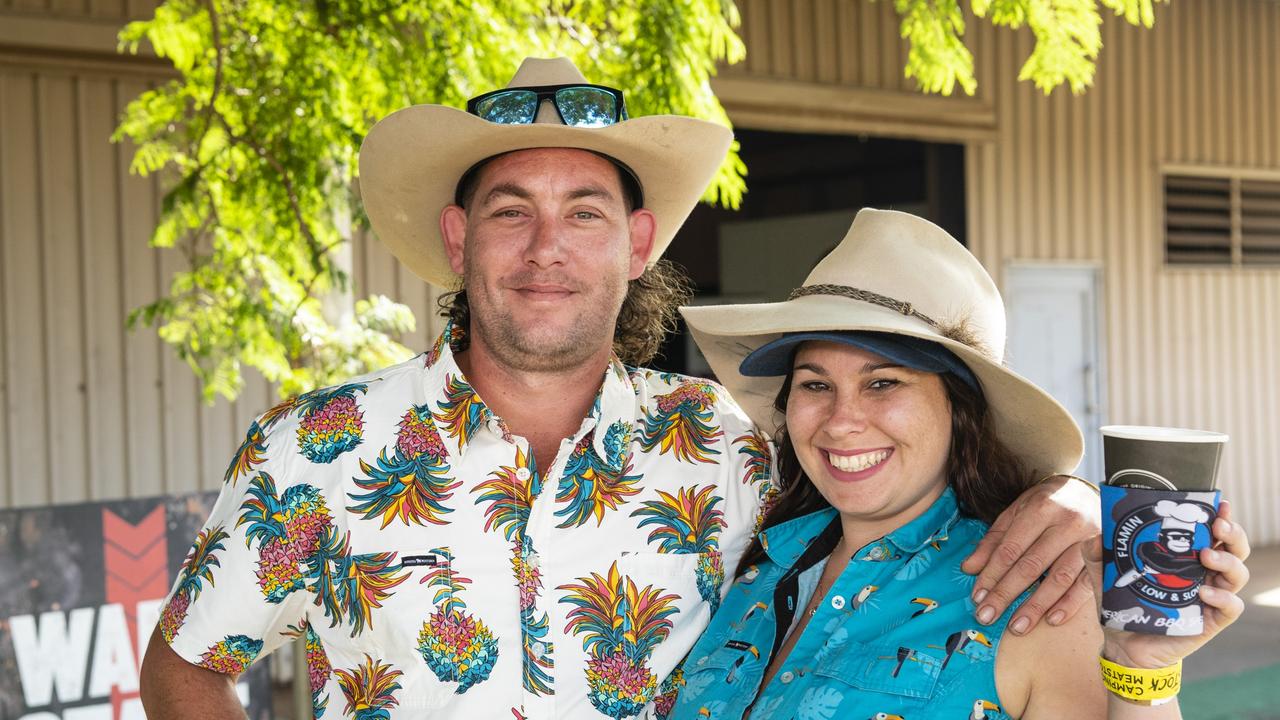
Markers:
(904, 437)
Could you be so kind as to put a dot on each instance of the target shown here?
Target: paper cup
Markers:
(1158, 505)
(1161, 458)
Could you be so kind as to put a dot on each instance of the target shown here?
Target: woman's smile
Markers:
(858, 464)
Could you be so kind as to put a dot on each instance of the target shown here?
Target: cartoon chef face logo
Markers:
(1155, 551)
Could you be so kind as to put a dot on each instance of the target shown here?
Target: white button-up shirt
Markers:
(435, 572)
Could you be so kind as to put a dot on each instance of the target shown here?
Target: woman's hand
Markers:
(1219, 594)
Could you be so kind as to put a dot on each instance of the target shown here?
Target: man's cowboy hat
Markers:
(900, 274)
(412, 160)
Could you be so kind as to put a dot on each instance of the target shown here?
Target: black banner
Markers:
(81, 588)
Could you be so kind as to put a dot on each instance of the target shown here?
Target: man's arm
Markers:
(1040, 532)
(173, 688)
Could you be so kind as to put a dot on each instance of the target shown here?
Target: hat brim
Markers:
(411, 161)
(1034, 426)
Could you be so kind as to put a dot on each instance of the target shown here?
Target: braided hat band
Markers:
(865, 296)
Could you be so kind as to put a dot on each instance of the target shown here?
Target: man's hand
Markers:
(1041, 531)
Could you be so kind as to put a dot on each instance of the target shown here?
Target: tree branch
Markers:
(317, 252)
(209, 111)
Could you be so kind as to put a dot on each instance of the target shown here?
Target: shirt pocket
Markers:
(907, 674)
(728, 673)
(427, 628)
(681, 579)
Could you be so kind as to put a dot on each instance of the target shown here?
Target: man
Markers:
(553, 549)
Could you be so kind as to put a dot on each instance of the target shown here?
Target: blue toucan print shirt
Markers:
(894, 638)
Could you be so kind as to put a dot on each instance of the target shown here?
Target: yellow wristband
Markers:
(1142, 685)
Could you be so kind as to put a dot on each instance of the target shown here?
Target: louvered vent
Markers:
(1259, 222)
(1197, 220)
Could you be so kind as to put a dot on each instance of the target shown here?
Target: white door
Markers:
(1053, 341)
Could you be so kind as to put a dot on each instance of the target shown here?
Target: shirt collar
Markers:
(930, 525)
(457, 410)
(614, 403)
(785, 543)
(450, 391)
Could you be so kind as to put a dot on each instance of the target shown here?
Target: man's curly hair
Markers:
(647, 316)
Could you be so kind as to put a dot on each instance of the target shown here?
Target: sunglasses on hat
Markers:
(579, 105)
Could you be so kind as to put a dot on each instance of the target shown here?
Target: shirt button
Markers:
(787, 677)
(837, 602)
(522, 474)
(539, 649)
(532, 561)
(751, 574)
(877, 553)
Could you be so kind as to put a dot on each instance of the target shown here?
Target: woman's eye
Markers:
(882, 384)
(814, 385)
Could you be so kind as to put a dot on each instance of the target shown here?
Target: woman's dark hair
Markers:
(648, 312)
(984, 474)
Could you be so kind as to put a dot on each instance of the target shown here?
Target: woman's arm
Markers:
(1054, 672)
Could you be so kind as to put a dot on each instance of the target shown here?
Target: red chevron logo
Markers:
(134, 569)
(135, 559)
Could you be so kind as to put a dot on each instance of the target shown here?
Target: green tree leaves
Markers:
(1068, 38)
(260, 136)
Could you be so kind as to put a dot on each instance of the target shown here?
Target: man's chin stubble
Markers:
(525, 354)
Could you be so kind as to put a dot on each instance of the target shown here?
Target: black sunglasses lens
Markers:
(513, 107)
(587, 107)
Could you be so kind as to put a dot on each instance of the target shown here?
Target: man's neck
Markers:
(542, 407)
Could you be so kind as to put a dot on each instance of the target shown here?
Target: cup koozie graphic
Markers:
(1158, 506)
(1151, 542)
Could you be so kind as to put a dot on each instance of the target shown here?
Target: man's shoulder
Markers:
(347, 403)
(671, 388)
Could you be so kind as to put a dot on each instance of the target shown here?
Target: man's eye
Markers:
(585, 215)
(508, 213)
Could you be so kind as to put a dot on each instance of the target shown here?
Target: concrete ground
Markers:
(1237, 676)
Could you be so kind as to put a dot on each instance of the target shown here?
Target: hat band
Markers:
(865, 296)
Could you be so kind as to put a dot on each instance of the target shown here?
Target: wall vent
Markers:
(1221, 220)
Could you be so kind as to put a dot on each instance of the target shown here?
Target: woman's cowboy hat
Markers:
(897, 273)
(412, 160)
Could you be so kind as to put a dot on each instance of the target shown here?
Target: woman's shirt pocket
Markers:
(885, 667)
(725, 677)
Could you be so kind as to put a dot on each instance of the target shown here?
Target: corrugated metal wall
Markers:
(847, 42)
(81, 9)
(1078, 179)
(93, 413)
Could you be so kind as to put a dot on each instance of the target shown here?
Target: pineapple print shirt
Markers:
(397, 525)
(893, 638)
